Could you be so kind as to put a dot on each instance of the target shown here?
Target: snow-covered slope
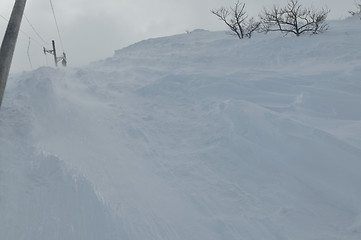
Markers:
(194, 136)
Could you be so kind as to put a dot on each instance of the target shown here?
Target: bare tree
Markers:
(236, 20)
(251, 26)
(293, 18)
(358, 6)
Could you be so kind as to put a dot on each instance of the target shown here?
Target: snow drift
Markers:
(194, 136)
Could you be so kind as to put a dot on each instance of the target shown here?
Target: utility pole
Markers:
(54, 52)
(9, 43)
(56, 58)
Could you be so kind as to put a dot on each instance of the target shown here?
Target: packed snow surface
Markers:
(193, 136)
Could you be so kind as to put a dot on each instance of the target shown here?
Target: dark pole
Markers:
(54, 52)
(9, 42)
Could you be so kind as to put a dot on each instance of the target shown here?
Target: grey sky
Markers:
(92, 29)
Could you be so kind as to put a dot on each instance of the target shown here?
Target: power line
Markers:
(23, 32)
(4, 18)
(36, 32)
(56, 23)
(42, 42)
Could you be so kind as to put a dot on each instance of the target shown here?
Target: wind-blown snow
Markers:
(194, 136)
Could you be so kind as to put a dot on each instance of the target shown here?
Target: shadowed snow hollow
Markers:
(194, 136)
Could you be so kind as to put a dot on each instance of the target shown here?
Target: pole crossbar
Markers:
(57, 59)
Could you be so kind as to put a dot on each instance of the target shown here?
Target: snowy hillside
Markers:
(193, 136)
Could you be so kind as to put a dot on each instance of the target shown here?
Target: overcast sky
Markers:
(92, 29)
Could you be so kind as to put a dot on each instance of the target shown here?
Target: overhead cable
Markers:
(56, 23)
(36, 32)
(22, 32)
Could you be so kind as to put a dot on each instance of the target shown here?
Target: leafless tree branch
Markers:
(358, 6)
(293, 18)
(236, 20)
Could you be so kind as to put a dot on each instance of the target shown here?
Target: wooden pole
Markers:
(9, 43)
(54, 52)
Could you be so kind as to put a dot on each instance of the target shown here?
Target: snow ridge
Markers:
(193, 136)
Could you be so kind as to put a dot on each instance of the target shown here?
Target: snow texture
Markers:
(193, 136)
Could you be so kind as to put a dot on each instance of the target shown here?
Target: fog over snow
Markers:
(191, 136)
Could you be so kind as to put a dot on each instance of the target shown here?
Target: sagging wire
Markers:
(31, 65)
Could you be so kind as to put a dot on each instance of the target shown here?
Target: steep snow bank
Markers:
(39, 197)
(194, 136)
